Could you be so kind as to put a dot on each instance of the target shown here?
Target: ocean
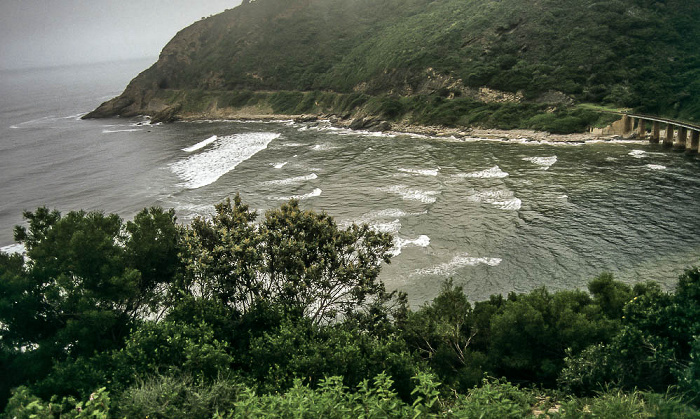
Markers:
(495, 216)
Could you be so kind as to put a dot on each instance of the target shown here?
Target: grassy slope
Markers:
(633, 53)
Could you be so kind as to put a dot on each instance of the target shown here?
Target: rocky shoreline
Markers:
(377, 125)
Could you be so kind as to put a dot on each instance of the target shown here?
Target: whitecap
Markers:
(544, 162)
(278, 165)
(14, 249)
(407, 194)
(112, 131)
(291, 180)
(200, 144)
(502, 199)
(391, 227)
(323, 147)
(399, 244)
(458, 262)
(385, 213)
(76, 117)
(422, 172)
(656, 167)
(638, 154)
(493, 173)
(316, 192)
(207, 167)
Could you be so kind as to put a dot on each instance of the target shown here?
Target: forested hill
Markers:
(344, 54)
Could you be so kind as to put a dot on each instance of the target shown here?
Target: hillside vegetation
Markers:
(466, 58)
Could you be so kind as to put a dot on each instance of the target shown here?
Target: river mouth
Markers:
(494, 216)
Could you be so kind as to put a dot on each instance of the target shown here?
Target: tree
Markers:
(86, 282)
(297, 259)
(442, 332)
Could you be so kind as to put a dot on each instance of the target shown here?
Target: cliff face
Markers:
(633, 53)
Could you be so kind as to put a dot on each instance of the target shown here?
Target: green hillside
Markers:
(403, 59)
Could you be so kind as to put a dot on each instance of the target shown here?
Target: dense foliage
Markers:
(284, 316)
(637, 54)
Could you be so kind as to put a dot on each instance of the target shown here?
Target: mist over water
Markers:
(494, 216)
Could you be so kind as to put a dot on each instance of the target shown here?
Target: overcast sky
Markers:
(39, 33)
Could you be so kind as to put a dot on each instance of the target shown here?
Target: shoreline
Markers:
(425, 130)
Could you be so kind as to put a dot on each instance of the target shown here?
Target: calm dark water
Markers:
(495, 216)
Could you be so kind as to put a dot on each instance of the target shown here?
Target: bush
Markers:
(495, 399)
(177, 397)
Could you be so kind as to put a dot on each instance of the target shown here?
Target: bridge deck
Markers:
(687, 125)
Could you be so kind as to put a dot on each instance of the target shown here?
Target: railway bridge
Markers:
(676, 134)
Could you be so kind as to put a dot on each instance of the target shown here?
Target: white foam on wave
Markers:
(502, 199)
(207, 167)
(656, 167)
(493, 173)
(316, 192)
(544, 162)
(391, 227)
(422, 172)
(458, 262)
(76, 116)
(399, 244)
(113, 131)
(323, 147)
(14, 249)
(385, 213)
(408, 194)
(638, 154)
(278, 165)
(291, 180)
(329, 128)
(200, 144)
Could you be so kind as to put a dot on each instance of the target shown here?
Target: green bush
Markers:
(177, 397)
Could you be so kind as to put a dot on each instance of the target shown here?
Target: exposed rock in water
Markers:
(306, 118)
(370, 124)
(168, 114)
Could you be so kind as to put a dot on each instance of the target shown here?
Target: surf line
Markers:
(200, 144)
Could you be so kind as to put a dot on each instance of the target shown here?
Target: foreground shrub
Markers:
(178, 397)
(495, 399)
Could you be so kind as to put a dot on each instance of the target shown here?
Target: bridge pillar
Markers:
(655, 133)
(627, 125)
(682, 137)
(668, 140)
(694, 141)
(642, 129)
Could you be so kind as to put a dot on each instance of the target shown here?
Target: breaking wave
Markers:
(458, 262)
(228, 152)
(495, 172)
(502, 199)
(291, 180)
(423, 172)
(544, 162)
(656, 167)
(408, 194)
(399, 243)
(200, 144)
(316, 192)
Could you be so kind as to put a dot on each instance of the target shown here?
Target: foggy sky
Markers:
(41, 33)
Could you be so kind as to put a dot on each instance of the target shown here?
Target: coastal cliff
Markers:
(505, 64)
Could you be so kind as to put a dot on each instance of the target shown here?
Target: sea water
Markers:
(494, 215)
